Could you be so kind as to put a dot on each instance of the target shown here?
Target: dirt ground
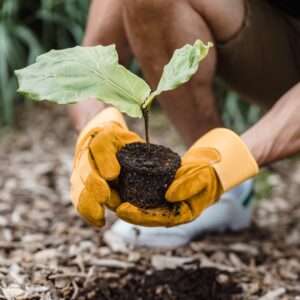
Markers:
(48, 252)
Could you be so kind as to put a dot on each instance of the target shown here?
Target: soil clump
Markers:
(147, 170)
(179, 284)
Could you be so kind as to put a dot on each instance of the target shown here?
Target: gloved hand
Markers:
(217, 162)
(95, 165)
(95, 162)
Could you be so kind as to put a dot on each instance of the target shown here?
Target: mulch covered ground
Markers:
(48, 252)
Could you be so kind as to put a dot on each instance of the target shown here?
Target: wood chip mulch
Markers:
(48, 252)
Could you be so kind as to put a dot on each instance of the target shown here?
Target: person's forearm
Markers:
(105, 27)
(81, 113)
(277, 134)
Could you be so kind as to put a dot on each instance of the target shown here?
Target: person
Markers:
(257, 46)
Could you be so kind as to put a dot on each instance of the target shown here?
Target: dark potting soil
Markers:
(146, 173)
(179, 284)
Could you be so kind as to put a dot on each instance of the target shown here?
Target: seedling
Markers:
(75, 74)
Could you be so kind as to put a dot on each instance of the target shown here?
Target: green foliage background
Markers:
(29, 28)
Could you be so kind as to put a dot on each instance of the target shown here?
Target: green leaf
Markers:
(75, 74)
(182, 66)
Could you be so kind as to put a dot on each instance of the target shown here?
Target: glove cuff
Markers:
(237, 163)
(107, 115)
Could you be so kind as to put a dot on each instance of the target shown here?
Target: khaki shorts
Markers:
(262, 61)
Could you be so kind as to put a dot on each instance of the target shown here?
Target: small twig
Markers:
(76, 290)
(67, 275)
(110, 263)
(10, 245)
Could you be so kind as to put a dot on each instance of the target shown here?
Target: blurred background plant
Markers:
(29, 28)
(236, 113)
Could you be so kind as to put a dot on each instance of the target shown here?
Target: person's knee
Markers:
(145, 11)
(224, 18)
(208, 6)
(153, 8)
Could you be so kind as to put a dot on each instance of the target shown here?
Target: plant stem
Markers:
(146, 121)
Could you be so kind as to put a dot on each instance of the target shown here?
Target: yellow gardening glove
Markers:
(217, 162)
(96, 167)
(95, 162)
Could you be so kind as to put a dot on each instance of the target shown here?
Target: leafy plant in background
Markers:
(29, 28)
(236, 114)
